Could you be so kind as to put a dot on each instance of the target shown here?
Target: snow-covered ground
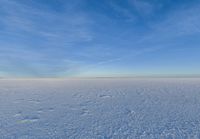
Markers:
(142, 108)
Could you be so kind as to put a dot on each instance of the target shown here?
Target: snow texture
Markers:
(134, 108)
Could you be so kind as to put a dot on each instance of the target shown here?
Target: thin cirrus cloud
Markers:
(75, 38)
(24, 24)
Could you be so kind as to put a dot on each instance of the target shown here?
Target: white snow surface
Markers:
(106, 108)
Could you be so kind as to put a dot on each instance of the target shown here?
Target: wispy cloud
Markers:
(23, 23)
(73, 37)
(74, 26)
(143, 7)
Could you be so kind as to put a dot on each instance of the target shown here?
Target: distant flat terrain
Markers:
(115, 108)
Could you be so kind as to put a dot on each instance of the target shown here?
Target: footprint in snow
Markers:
(29, 119)
(85, 112)
(105, 96)
(40, 111)
(17, 114)
(34, 101)
(51, 109)
(77, 95)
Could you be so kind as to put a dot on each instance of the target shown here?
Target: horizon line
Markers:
(99, 77)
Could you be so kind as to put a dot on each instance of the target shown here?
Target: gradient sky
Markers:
(61, 38)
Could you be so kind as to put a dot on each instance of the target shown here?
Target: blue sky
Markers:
(67, 38)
